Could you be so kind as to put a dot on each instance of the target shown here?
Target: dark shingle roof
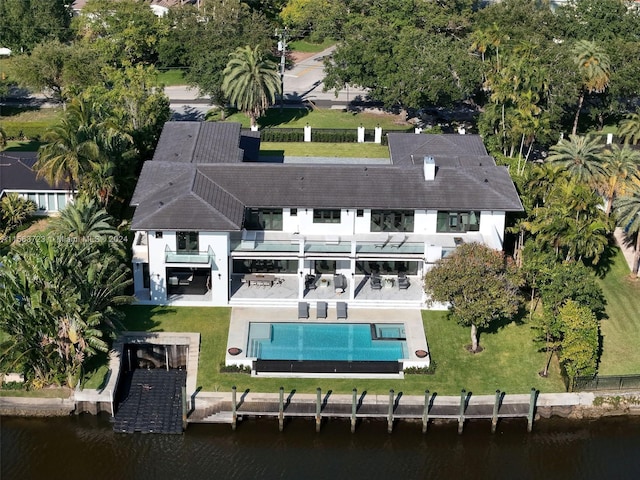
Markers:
(16, 173)
(174, 194)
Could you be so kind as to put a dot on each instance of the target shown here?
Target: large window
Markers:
(386, 268)
(264, 266)
(458, 221)
(326, 216)
(187, 241)
(263, 219)
(392, 220)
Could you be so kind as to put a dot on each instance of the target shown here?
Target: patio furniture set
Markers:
(311, 282)
(377, 282)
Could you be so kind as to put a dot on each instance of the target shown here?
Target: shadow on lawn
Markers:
(274, 117)
(141, 317)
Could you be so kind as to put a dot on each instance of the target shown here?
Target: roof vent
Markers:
(429, 168)
(486, 180)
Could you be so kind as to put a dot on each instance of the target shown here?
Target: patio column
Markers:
(352, 280)
(378, 134)
(360, 134)
(307, 133)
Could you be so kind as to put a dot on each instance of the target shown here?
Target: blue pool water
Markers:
(326, 341)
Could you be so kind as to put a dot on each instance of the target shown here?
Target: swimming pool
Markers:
(327, 341)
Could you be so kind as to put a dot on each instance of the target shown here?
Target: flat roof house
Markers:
(216, 226)
(17, 176)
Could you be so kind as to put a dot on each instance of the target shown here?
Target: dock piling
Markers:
(281, 410)
(234, 408)
(390, 415)
(425, 413)
(318, 409)
(463, 401)
(532, 409)
(494, 417)
(354, 407)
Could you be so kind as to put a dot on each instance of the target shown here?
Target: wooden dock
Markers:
(393, 408)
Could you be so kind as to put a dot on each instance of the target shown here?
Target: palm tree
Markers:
(595, 69)
(84, 219)
(15, 210)
(621, 171)
(629, 128)
(628, 214)
(72, 146)
(251, 82)
(580, 157)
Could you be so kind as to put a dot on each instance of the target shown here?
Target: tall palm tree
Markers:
(251, 81)
(71, 147)
(84, 219)
(594, 67)
(629, 128)
(628, 214)
(621, 171)
(580, 156)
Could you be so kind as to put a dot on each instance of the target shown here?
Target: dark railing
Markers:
(606, 382)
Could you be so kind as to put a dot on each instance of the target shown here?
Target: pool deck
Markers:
(241, 317)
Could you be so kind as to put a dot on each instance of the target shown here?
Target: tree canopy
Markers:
(478, 283)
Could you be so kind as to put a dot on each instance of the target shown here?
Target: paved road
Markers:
(303, 82)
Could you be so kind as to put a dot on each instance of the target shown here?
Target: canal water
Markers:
(86, 447)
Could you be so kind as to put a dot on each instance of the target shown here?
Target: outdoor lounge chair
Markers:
(321, 310)
(403, 281)
(375, 281)
(310, 282)
(303, 310)
(342, 310)
(340, 282)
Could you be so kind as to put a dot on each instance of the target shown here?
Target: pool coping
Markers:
(242, 316)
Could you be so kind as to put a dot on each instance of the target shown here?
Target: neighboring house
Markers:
(214, 226)
(17, 175)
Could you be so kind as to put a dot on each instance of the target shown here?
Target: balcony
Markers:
(189, 257)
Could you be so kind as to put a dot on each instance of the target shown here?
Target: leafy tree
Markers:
(479, 285)
(3, 138)
(579, 347)
(627, 209)
(581, 157)
(123, 32)
(57, 69)
(595, 70)
(203, 40)
(26, 23)
(557, 282)
(251, 82)
(15, 210)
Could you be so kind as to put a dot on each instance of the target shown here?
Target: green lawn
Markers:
(171, 77)
(306, 46)
(621, 331)
(33, 123)
(323, 118)
(509, 361)
(321, 149)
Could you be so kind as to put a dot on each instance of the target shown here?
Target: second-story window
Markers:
(326, 215)
(186, 241)
(392, 220)
(263, 219)
(458, 222)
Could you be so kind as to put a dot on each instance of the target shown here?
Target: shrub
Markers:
(430, 370)
(235, 369)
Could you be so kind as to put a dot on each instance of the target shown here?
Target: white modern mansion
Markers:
(217, 226)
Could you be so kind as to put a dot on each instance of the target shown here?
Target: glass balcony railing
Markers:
(265, 246)
(327, 247)
(390, 247)
(172, 256)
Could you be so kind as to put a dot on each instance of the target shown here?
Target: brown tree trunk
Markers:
(575, 120)
(474, 338)
(636, 255)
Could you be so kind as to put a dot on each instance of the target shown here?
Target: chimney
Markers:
(429, 168)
